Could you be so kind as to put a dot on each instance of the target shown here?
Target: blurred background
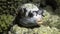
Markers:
(51, 19)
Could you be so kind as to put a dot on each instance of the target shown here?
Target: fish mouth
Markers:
(39, 21)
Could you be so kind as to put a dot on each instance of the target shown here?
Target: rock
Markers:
(41, 30)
